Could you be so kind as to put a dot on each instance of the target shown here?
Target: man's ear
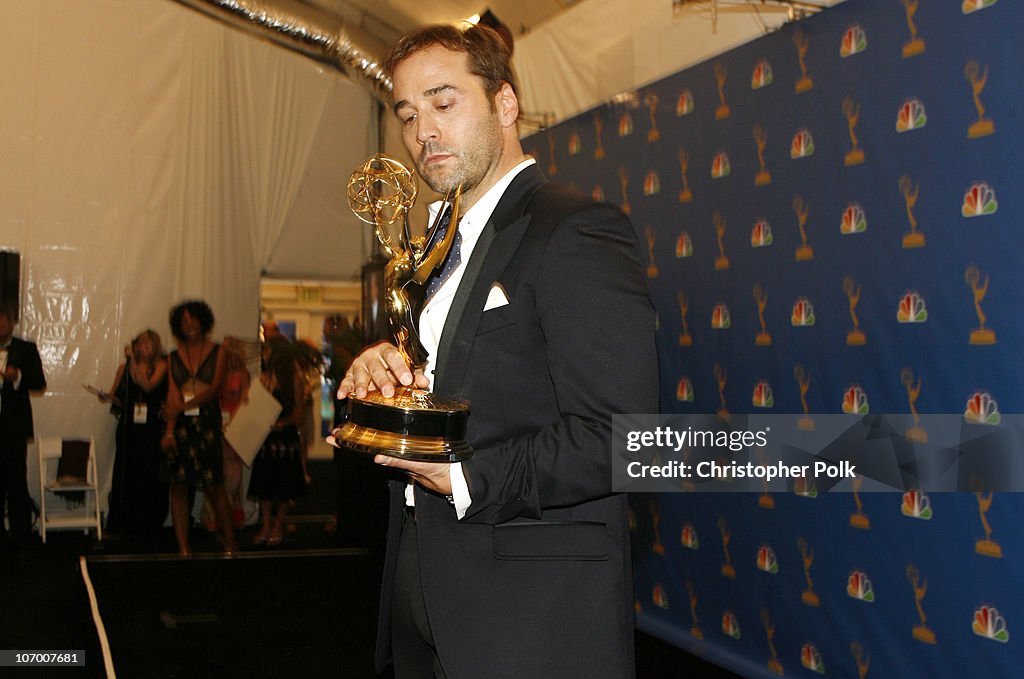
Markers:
(507, 105)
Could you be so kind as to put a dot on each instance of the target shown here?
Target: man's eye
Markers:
(408, 120)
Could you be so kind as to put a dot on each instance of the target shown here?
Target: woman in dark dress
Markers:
(138, 495)
(277, 476)
(192, 441)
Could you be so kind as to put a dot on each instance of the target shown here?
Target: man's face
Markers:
(6, 328)
(449, 124)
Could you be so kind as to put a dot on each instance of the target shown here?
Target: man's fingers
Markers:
(396, 363)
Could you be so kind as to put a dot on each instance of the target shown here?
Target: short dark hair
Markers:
(197, 309)
(8, 313)
(489, 56)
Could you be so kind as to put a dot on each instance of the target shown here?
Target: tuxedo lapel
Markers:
(491, 255)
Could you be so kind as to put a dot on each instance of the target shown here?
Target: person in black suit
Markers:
(515, 562)
(21, 372)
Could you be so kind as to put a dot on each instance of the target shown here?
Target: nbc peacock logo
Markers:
(684, 390)
(688, 537)
(763, 396)
(982, 409)
(761, 234)
(761, 75)
(720, 318)
(684, 245)
(652, 184)
(720, 166)
(803, 144)
(990, 624)
(803, 313)
(979, 200)
(574, 143)
(597, 193)
(766, 560)
(916, 505)
(854, 41)
(858, 586)
(659, 597)
(854, 220)
(911, 116)
(625, 125)
(730, 625)
(811, 658)
(684, 103)
(912, 308)
(969, 6)
(855, 401)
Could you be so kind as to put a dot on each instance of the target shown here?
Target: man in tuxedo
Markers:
(515, 562)
(21, 372)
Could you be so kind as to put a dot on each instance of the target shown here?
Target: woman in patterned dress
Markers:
(192, 441)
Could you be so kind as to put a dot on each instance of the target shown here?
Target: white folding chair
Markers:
(55, 512)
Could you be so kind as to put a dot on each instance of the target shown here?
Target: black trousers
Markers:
(412, 642)
(14, 486)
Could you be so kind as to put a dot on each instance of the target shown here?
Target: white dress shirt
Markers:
(435, 312)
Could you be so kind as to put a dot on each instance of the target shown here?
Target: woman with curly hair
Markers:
(193, 439)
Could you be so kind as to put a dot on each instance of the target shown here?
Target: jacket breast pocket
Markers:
(496, 319)
(551, 541)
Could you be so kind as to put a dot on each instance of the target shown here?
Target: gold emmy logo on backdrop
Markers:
(765, 501)
(695, 630)
(858, 519)
(921, 631)
(915, 434)
(721, 262)
(413, 424)
(721, 377)
(598, 128)
(803, 380)
(801, 42)
(986, 546)
(721, 75)
(856, 337)
(769, 632)
(983, 126)
(914, 239)
(652, 267)
(657, 546)
(652, 105)
(808, 596)
(685, 196)
(804, 252)
(915, 45)
(764, 338)
(552, 166)
(685, 339)
(763, 176)
(857, 651)
(623, 184)
(727, 568)
(980, 335)
(851, 109)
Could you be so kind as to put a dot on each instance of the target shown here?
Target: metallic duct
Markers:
(305, 29)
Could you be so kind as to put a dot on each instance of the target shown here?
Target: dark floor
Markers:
(305, 609)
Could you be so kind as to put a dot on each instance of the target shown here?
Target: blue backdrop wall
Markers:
(830, 218)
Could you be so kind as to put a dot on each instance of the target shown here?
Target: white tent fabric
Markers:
(147, 155)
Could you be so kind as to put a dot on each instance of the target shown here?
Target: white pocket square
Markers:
(496, 297)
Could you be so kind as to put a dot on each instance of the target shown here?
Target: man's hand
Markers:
(435, 476)
(382, 367)
(11, 374)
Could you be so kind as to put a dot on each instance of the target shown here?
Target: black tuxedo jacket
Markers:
(16, 404)
(535, 581)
